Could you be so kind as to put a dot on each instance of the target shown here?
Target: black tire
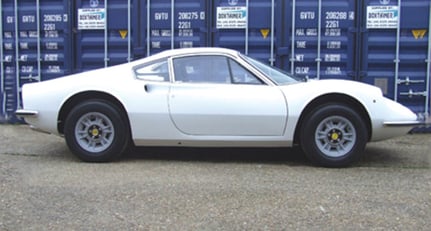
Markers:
(333, 135)
(96, 131)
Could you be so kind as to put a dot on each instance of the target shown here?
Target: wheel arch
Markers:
(84, 96)
(334, 98)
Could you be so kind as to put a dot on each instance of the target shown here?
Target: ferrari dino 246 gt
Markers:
(211, 97)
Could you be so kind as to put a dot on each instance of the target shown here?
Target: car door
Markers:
(215, 96)
(148, 101)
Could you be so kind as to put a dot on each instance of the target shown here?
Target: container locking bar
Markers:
(412, 93)
(408, 81)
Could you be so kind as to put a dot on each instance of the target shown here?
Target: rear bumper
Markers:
(26, 113)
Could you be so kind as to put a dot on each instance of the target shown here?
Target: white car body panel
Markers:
(238, 114)
(172, 113)
(380, 109)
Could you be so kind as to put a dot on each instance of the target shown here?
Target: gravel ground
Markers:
(44, 187)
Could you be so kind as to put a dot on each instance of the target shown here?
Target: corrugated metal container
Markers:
(36, 45)
(119, 31)
(395, 53)
(381, 42)
(319, 40)
(104, 32)
(175, 24)
(246, 26)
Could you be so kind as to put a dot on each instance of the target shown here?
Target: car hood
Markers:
(319, 87)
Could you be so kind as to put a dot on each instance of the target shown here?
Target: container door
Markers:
(246, 26)
(173, 24)
(35, 47)
(317, 38)
(105, 32)
(396, 50)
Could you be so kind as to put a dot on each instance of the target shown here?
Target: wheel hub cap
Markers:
(335, 136)
(94, 132)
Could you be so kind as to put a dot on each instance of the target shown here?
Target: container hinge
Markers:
(362, 74)
(408, 81)
(411, 93)
(351, 74)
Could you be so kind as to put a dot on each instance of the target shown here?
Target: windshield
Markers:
(276, 75)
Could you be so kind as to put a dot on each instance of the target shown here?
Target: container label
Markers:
(91, 19)
(232, 17)
(382, 17)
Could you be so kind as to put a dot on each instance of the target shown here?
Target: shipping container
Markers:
(36, 46)
(175, 24)
(251, 32)
(395, 53)
(380, 42)
(104, 33)
(319, 42)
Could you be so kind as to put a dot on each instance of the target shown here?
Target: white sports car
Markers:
(211, 97)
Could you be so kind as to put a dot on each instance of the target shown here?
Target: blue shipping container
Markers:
(251, 32)
(381, 42)
(104, 33)
(319, 42)
(396, 54)
(36, 45)
(174, 24)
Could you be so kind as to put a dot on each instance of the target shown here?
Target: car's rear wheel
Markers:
(96, 131)
(333, 136)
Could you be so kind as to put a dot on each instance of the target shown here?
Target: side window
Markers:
(212, 69)
(154, 71)
(202, 69)
(240, 75)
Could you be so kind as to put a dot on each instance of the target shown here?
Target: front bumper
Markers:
(421, 121)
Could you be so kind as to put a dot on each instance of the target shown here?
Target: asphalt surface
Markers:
(44, 187)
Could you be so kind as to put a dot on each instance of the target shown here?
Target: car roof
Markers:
(195, 50)
(187, 51)
(200, 50)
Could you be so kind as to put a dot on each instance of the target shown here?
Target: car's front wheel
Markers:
(333, 136)
(96, 131)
